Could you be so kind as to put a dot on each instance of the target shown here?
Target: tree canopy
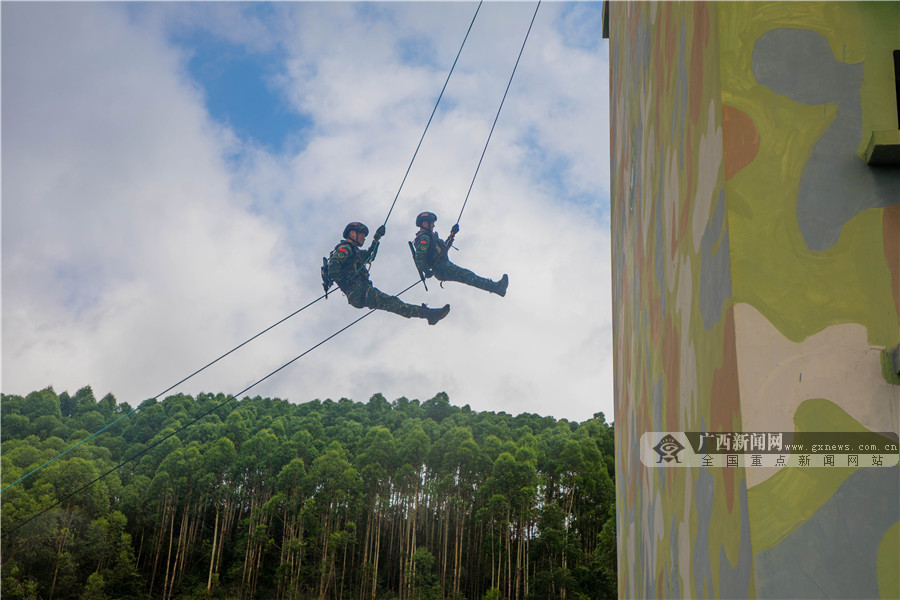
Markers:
(263, 498)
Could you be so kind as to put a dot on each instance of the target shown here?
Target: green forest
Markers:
(263, 498)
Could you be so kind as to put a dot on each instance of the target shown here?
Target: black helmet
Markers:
(354, 226)
(425, 216)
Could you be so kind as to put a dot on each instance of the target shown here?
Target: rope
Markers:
(498, 112)
(432, 113)
(183, 427)
(232, 397)
(96, 433)
(170, 388)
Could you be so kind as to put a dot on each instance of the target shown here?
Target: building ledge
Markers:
(883, 149)
(605, 19)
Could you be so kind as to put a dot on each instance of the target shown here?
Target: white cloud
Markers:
(120, 231)
(133, 252)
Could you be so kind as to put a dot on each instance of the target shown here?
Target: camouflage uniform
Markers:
(346, 266)
(431, 258)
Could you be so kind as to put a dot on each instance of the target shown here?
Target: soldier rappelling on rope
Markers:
(431, 255)
(348, 267)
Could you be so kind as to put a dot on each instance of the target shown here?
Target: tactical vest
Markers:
(356, 259)
(436, 245)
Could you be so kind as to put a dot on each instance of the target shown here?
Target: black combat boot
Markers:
(500, 286)
(434, 314)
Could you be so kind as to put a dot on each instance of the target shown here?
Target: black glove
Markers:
(455, 229)
(379, 232)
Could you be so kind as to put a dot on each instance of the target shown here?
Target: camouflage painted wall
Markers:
(756, 282)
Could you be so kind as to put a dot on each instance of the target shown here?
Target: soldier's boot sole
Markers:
(435, 314)
(500, 286)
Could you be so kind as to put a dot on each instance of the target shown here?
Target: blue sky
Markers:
(173, 174)
(241, 93)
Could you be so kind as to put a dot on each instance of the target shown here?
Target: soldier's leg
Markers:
(356, 294)
(447, 271)
(375, 298)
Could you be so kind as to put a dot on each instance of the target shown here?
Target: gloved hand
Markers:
(379, 232)
(455, 229)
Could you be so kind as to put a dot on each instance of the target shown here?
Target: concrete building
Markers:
(756, 280)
